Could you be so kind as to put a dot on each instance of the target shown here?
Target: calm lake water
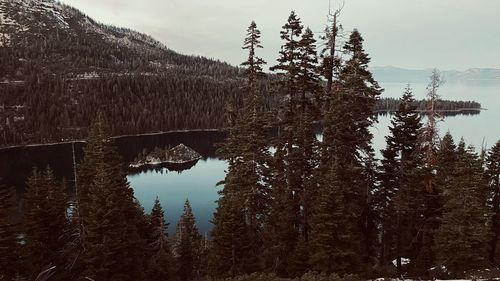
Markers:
(198, 183)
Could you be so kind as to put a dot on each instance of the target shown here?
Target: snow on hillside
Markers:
(19, 16)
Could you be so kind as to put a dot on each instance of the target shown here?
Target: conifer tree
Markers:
(160, 262)
(423, 254)
(493, 181)
(244, 199)
(231, 249)
(350, 116)
(331, 248)
(188, 246)
(463, 234)
(112, 247)
(399, 197)
(297, 146)
(9, 248)
(386, 206)
(281, 235)
(44, 225)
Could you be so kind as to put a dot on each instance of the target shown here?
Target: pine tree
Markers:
(462, 236)
(306, 138)
(9, 248)
(423, 254)
(112, 247)
(188, 246)
(281, 234)
(297, 146)
(386, 206)
(331, 248)
(399, 197)
(44, 225)
(349, 150)
(160, 261)
(231, 248)
(493, 180)
(244, 198)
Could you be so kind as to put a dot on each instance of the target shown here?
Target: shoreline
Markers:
(201, 130)
(81, 141)
(155, 164)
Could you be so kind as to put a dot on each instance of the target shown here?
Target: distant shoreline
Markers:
(113, 137)
(203, 130)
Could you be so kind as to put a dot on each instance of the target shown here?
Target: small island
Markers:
(178, 155)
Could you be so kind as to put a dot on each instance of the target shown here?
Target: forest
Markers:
(53, 80)
(292, 207)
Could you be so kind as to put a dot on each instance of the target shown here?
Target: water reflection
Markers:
(173, 185)
(198, 184)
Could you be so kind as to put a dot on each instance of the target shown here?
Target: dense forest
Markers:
(57, 74)
(291, 207)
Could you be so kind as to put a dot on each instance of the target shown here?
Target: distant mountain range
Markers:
(474, 75)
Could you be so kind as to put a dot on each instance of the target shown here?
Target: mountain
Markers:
(67, 41)
(60, 68)
(401, 75)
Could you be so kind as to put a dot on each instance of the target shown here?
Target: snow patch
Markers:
(404, 261)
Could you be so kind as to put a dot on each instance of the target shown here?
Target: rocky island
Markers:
(178, 155)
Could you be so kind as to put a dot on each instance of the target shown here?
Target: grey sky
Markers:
(447, 34)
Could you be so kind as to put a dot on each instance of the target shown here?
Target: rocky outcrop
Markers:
(180, 154)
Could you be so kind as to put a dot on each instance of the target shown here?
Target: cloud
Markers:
(448, 34)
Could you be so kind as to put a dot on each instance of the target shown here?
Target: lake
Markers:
(198, 183)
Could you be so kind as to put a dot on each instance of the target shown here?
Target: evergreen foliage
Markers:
(9, 247)
(45, 225)
(462, 237)
(188, 247)
(493, 180)
(160, 263)
(111, 245)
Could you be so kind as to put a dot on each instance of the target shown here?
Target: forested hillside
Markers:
(60, 67)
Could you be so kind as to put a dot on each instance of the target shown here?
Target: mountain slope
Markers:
(59, 68)
(67, 41)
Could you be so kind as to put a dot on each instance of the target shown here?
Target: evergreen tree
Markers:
(493, 180)
(399, 197)
(44, 225)
(188, 246)
(242, 207)
(230, 253)
(9, 248)
(463, 234)
(112, 247)
(349, 150)
(386, 206)
(160, 261)
(331, 247)
(423, 254)
(281, 235)
(297, 148)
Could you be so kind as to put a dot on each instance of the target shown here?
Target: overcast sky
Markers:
(447, 34)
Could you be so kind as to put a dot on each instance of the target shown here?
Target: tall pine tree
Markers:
(188, 246)
(109, 215)
(462, 237)
(242, 206)
(160, 263)
(493, 181)
(45, 225)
